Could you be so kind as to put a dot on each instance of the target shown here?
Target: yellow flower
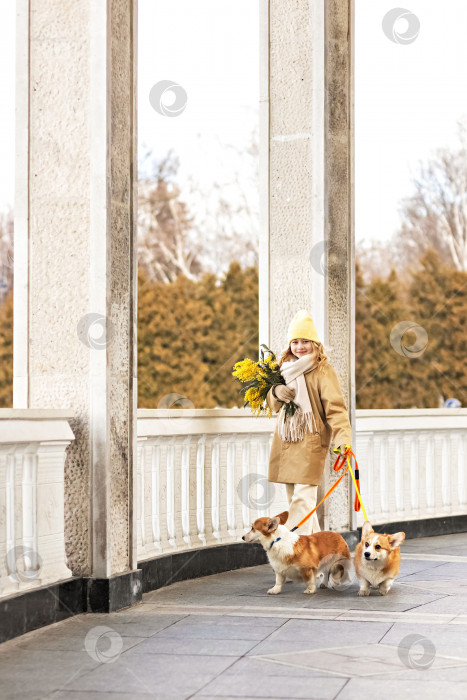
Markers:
(270, 360)
(251, 394)
(245, 370)
(248, 370)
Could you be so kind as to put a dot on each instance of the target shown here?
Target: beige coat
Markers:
(303, 462)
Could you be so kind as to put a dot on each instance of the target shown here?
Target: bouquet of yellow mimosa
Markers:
(257, 378)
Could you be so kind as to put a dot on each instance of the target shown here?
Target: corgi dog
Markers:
(377, 559)
(301, 557)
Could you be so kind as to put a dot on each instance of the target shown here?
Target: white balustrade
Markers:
(420, 469)
(220, 477)
(202, 479)
(32, 457)
(205, 472)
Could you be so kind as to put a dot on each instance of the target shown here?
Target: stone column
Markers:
(340, 225)
(311, 261)
(75, 320)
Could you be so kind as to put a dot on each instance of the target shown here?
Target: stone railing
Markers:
(32, 457)
(202, 475)
(202, 479)
(413, 463)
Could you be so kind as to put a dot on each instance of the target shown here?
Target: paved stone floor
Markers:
(222, 636)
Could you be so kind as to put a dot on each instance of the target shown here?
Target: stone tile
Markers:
(38, 663)
(446, 570)
(459, 620)
(250, 665)
(318, 634)
(207, 631)
(449, 640)
(169, 675)
(248, 620)
(453, 587)
(206, 646)
(412, 617)
(434, 673)
(449, 605)
(144, 614)
(36, 674)
(401, 688)
(76, 642)
(410, 567)
(84, 695)
(270, 686)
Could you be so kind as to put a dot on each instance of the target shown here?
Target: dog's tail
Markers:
(340, 576)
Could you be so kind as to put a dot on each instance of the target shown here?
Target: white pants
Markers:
(302, 499)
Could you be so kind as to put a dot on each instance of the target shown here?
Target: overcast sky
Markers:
(408, 97)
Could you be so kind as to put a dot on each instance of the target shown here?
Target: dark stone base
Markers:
(166, 569)
(430, 527)
(41, 606)
(114, 593)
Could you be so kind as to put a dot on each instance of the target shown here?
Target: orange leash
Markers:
(344, 458)
(338, 464)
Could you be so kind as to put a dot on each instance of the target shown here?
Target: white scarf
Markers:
(293, 429)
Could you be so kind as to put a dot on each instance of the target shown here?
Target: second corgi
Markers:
(301, 557)
(377, 559)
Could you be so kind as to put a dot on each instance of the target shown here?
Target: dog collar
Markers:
(279, 538)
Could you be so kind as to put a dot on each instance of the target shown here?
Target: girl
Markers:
(300, 444)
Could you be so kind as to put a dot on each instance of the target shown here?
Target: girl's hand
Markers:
(284, 393)
(341, 450)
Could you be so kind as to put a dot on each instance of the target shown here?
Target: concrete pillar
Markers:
(340, 224)
(76, 273)
(306, 97)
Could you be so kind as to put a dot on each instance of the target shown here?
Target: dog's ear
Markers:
(283, 517)
(366, 529)
(396, 539)
(273, 523)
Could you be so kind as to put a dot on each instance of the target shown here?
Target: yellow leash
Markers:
(355, 479)
(357, 490)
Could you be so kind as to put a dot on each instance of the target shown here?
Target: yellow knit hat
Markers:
(302, 326)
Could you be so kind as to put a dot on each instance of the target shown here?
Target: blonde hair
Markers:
(318, 355)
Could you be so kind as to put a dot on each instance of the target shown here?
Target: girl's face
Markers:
(301, 347)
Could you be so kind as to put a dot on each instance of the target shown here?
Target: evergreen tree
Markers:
(171, 319)
(439, 294)
(383, 376)
(6, 352)
(190, 334)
